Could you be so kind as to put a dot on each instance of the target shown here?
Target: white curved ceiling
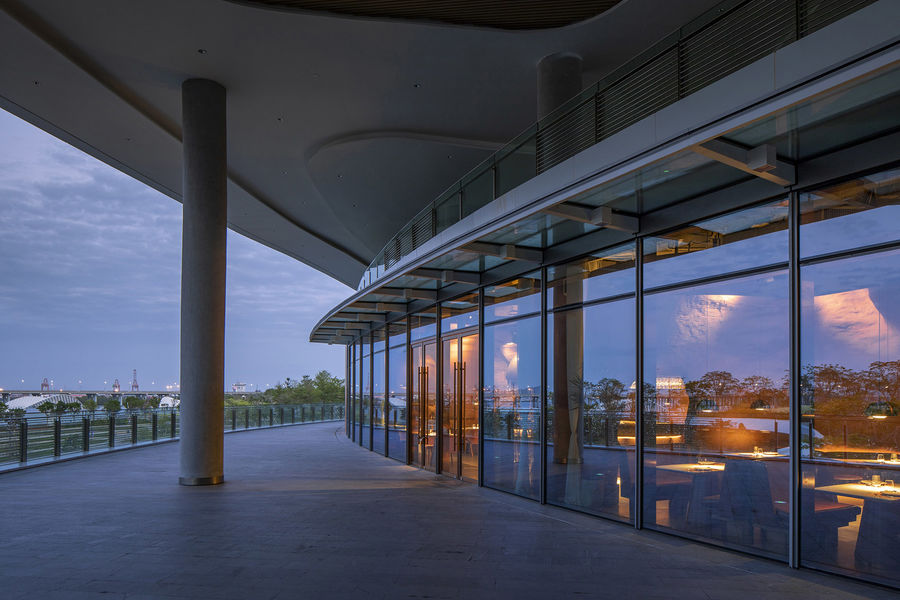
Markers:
(340, 129)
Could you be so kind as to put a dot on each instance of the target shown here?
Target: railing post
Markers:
(173, 422)
(332, 412)
(259, 417)
(233, 419)
(154, 425)
(112, 430)
(134, 428)
(85, 434)
(246, 418)
(23, 440)
(57, 436)
(271, 416)
(303, 414)
(282, 416)
(293, 419)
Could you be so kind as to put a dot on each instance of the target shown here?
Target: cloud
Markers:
(90, 278)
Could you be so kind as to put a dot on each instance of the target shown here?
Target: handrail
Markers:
(38, 438)
(726, 38)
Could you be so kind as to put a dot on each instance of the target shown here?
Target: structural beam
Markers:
(602, 216)
(506, 251)
(448, 275)
(761, 161)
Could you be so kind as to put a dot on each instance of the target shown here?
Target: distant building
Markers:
(169, 402)
(239, 388)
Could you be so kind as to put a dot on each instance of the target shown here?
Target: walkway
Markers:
(306, 514)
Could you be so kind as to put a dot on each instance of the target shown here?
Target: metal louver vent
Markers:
(640, 94)
(746, 34)
(816, 14)
(566, 136)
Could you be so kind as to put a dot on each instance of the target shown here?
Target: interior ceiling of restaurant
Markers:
(340, 127)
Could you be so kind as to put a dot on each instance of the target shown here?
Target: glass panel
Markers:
(478, 192)
(850, 428)
(354, 394)
(447, 212)
(600, 275)
(378, 403)
(716, 412)
(423, 325)
(854, 213)
(515, 169)
(469, 389)
(459, 313)
(450, 408)
(745, 239)
(512, 406)
(590, 408)
(397, 402)
(513, 298)
(365, 399)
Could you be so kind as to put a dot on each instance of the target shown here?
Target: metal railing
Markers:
(32, 438)
(723, 40)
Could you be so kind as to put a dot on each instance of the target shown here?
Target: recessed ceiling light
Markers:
(201, 51)
(36, 82)
(340, 176)
(415, 85)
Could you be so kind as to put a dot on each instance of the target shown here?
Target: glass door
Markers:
(422, 415)
(459, 427)
(469, 424)
(450, 408)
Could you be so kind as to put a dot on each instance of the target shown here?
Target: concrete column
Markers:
(558, 80)
(203, 283)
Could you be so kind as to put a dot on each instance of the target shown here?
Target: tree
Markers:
(89, 404)
(112, 406)
(46, 407)
(134, 403)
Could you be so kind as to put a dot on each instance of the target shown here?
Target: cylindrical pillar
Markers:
(559, 80)
(204, 201)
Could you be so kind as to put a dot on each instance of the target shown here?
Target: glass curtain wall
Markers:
(715, 391)
(512, 386)
(396, 391)
(365, 395)
(378, 396)
(591, 371)
(850, 377)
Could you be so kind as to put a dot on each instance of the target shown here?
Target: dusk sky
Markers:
(90, 275)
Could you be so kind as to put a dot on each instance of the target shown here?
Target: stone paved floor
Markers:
(306, 514)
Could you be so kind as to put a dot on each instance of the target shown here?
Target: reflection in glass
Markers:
(513, 298)
(459, 313)
(850, 396)
(423, 325)
(590, 408)
(396, 407)
(716, 419)
(600, 275)
(378, 402)
(745, 239)
(853, 213)
(512, 406)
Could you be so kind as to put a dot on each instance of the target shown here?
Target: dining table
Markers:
(880, 517)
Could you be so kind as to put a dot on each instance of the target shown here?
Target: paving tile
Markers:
(307, 514)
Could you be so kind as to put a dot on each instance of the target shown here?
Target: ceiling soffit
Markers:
(511, 14)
